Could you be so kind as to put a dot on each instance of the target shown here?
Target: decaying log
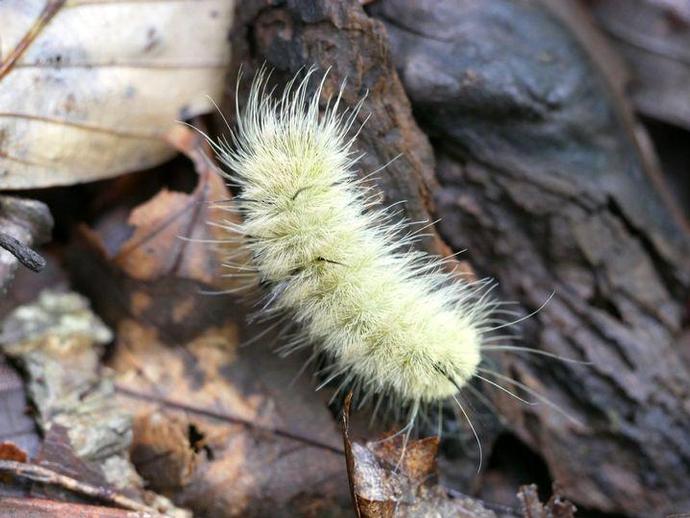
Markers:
(544, 183)
(537, 172)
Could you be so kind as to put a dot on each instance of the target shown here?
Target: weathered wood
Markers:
(654, 39)
(543, 182)
(40, 507)
(339, 37)
(540, 177)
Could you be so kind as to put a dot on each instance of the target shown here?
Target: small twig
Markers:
(46, 476)
(49, 11)
(349, 458)
(25, 255)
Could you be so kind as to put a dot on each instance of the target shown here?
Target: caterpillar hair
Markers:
(392, 321)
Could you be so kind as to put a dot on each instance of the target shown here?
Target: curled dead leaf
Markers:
(392, 478)
(162, 450)
(170, 235)
(221, 424)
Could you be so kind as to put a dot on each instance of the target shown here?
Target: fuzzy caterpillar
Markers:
(392, 320)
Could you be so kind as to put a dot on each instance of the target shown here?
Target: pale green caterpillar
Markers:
(392, 321)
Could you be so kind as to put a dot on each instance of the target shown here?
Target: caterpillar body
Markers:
(392, 320)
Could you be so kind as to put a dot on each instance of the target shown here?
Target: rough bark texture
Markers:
(539, 175)
(543, 182)
(653, 36)
(342, 38)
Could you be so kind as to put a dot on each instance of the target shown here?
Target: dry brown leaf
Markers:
(89, 89)
(381, 491)
(385, 483)
(234, 436)
(58, 341)
(10, 451)
(169, 234)
(218, 431)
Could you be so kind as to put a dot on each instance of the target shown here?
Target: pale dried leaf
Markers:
(100, 83)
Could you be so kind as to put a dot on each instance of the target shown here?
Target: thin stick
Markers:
(47, 476)
(50, 9)
(25, 255)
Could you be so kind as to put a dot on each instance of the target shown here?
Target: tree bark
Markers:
(536, 170)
